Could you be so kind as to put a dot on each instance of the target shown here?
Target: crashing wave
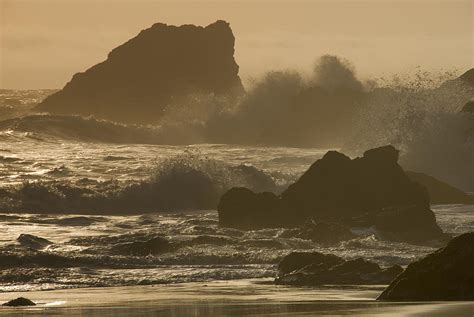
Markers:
(421, 117)
(188, 181)
(81, 129)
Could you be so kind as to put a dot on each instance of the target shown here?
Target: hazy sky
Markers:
(44, 42)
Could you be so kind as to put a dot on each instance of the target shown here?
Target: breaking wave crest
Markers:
(423, 118)
(80, 129)
(187, 181)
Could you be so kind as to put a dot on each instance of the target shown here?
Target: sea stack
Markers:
(372, 190)
(152, 71)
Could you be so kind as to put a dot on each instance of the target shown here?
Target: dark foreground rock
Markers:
(447, 274)
(158, 67)
(440, 192)
(313, 269)
(20, 301)
(372, 190)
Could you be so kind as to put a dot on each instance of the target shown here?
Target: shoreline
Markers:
(252, 297)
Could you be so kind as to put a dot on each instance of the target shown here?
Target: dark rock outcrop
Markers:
(440, 192)
(336, 187)
(468, 107)
(446, 274)
(241, 208)
(366, 191)
(155, 245)
(468, 77)
(152, 70)
(31, 241)
(20, 301)
(408, 223)
(313, 269)
(298, 260)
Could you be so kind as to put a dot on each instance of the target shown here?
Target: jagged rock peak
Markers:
(150, 73)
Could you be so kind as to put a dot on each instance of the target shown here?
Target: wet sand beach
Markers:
(225, 298)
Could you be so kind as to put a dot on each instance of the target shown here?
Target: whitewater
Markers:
(56, 246)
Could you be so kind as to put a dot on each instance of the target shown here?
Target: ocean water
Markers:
(72, 249)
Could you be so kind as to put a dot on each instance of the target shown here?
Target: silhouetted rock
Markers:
(298, 260)
(440, 192)
(241, 208)
(468, 107)
(152, 70)
(314, 269)
(20, 301)
(338, 189)
(407, 223)
(32, 241)
(155, 245)
(468, 77)
(321, 232)
(446, 274)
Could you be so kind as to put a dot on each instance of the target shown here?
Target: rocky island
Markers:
(141, 77)
(372, 190)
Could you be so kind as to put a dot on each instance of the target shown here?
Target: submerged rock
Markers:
(150, 71)
(446, 274)
(20, 301)
(337, 189)
(314, 269)
(440, 192)
(31, 241)
(152, 246)
(297, 260)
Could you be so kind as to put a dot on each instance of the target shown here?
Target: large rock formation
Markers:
(366, 191)
(154, 69)
(447, 274)
(440, 192)
(313, 269)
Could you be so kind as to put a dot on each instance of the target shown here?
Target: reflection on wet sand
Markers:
(226, 298)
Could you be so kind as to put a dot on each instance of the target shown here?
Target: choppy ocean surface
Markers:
(70, 251)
